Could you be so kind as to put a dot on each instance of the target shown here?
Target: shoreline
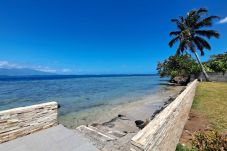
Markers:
(113, 127)
(120, 120)
(105, 112)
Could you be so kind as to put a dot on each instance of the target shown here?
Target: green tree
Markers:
(191, 33)
(218, 63)
(178, 65)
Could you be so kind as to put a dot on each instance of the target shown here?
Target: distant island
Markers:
(21, 72)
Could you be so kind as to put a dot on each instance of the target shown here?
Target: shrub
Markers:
(209, 141)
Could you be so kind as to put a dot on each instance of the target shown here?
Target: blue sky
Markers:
(96, 36)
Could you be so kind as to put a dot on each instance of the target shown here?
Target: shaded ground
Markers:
(209, 110)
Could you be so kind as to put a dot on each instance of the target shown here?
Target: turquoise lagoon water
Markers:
(76, 93)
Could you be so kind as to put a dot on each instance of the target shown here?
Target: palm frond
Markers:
(208, 33)
(182, 46)
(194, 16)
(202, 11)
(192, 47)
(206, 22)
(198, 44)
(179, 24)
(175, 20)
(191, 13)
(174, 33)
(182, 19)
(173, 41)
(203, 42)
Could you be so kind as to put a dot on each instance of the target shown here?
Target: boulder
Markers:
(181, 80)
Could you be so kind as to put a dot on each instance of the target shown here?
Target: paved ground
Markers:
(56, 138)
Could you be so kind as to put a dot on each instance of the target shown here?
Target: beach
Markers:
(119, 121)
(110, 104)
(87, 99)
(138, 109)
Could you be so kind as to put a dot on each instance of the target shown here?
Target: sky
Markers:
(96, 36)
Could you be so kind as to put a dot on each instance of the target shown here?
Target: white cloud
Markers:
(45, 69)
(223, 21)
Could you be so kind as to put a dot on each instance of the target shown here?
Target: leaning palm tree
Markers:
(191, 35)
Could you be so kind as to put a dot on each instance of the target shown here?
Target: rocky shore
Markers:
(114, 129)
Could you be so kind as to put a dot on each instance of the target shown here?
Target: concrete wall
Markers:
(215, 76)
(164, 131)
(25, 120)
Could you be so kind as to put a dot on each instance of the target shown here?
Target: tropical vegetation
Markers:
(185, 66)
(209, 140)
(192, 35)
(217, 63)
(178, 66)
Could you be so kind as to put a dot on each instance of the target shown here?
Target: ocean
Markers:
(77, 93)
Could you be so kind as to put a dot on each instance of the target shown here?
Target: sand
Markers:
(139, 108)
(119, 121)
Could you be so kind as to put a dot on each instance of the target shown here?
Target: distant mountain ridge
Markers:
(22, 72)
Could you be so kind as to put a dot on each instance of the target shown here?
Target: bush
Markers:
(209, 141)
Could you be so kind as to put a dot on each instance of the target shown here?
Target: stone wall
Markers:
(25, 120)
(215, 76)
(164, 131)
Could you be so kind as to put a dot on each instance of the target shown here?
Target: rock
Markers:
(140, 124)
(95, 124)
(182, 80)
(120, 115)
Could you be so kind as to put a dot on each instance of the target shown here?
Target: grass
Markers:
(211, 102)
(183, 148)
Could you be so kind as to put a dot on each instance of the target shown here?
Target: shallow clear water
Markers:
(76, 93)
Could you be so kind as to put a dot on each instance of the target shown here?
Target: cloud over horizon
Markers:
(10, 65)
(223, 21)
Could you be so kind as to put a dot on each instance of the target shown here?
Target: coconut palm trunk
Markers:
(202, 67)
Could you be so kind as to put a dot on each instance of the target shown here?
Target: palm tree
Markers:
(191, 33)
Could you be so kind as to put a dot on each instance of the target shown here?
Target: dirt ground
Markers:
(195, 123)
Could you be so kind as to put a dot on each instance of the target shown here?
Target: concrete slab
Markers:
(57, 138)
